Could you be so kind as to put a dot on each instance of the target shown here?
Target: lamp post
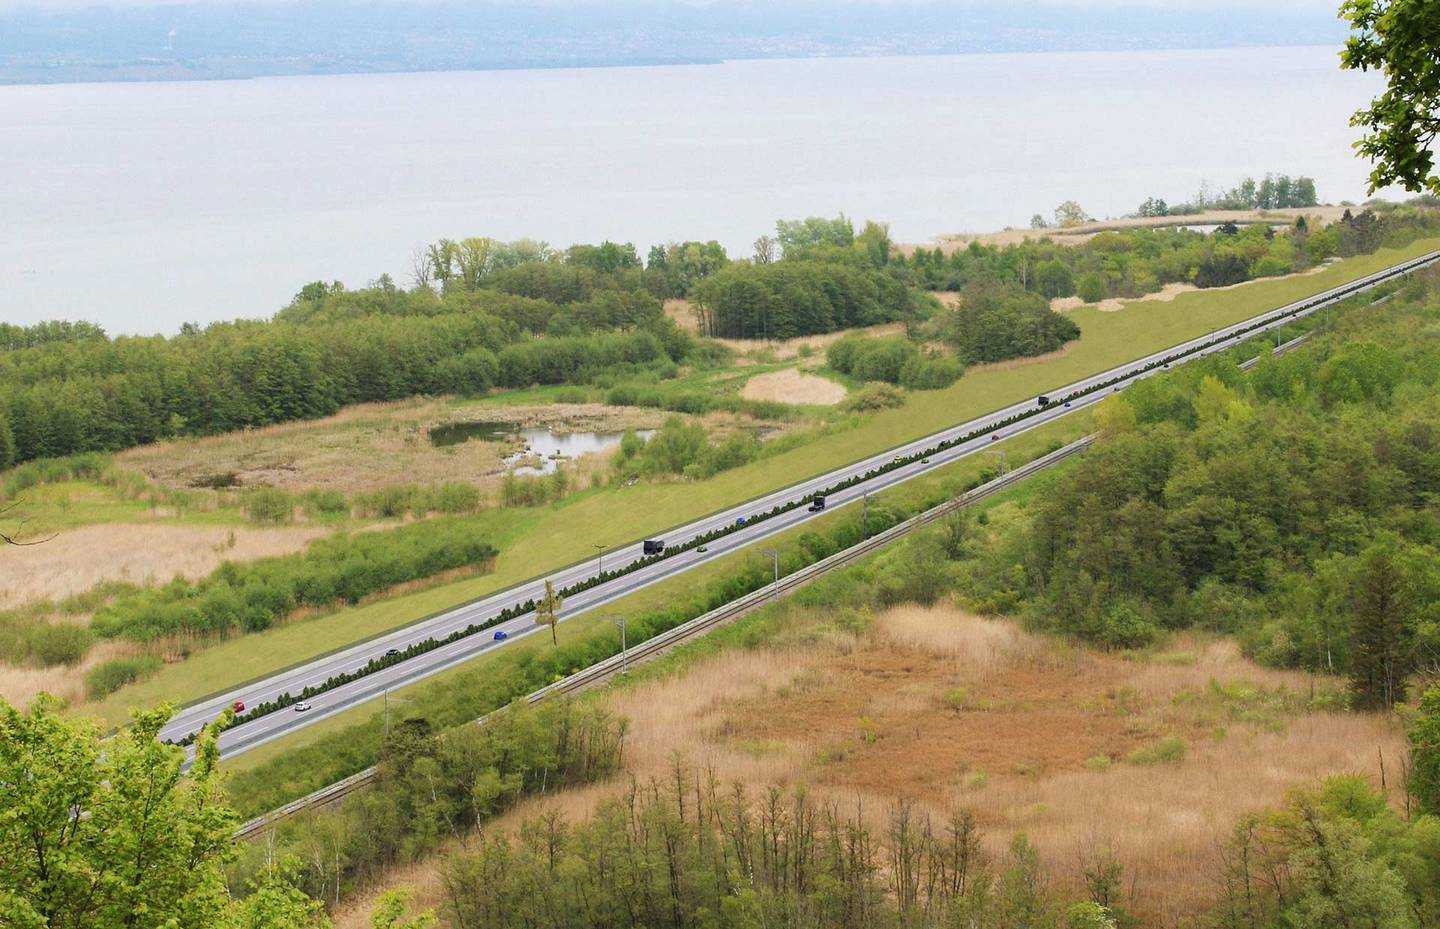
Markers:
(1001, 453)
(386, 695)
(600, 568)
(624, 646)
(864, 515)
(775, 560)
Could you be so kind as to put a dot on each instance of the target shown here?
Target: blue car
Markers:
(1067, 404)
(501, 635)
(739, 520)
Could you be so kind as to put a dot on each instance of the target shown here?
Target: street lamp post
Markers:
(600, 568)
(775, 560)
(1001, 453)
(624, 646)
(864, 515)
(386, 695)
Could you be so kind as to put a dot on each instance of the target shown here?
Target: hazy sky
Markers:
(1251, 6)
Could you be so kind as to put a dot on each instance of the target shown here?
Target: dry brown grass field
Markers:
(78, 559)
(790, 385)
(1028, 732)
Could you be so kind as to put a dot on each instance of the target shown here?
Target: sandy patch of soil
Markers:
(792, 386)
(78, 559)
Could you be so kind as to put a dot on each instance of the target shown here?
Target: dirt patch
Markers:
(792, 386)
(78, 559)
(1170, 291)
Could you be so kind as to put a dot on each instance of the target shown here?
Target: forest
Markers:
(1292, 506)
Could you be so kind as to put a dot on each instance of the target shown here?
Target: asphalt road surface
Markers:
(282, 722)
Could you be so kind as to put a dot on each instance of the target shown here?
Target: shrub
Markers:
(1091, 287)
(1169, 750)
(110, 676)
(873, 397)
(269, 505)
(58, 643)
(324, 503)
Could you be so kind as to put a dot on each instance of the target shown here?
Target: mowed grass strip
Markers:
(566, 532)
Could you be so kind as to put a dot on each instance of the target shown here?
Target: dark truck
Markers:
(654, 546)
(817, 504)
(1043, 400)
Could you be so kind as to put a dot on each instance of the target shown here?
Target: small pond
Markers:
(542, 450)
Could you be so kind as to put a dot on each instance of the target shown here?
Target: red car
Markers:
(238, 706)
(994, 437)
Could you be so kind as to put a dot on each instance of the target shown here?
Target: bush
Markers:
(58, 643)
(873, 397)
(1091, 287)
(110, 676)
(1169, 750)
(324, 503)
(269, 505)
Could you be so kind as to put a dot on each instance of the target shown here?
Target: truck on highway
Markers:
(654, 546)
(817, 504)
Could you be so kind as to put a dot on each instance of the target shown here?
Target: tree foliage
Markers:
(121, 838)
(1397, 37)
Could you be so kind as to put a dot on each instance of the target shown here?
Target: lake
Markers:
(140, 206)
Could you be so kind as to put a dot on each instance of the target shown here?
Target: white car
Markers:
(302, 707)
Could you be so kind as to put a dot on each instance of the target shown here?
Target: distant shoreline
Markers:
(159, 71)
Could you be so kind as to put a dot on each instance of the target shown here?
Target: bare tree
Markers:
(10, 511)
(765, 250)
(422, 269)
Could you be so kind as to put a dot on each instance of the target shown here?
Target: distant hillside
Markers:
(194, 41)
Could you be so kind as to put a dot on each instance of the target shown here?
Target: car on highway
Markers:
(994, 437)
(238, 706)
(302, 707)
(391, 652)
(501, 635)
(896, 459)
(703, 548)
(1067, 404)
(924, 460)
(739, 520)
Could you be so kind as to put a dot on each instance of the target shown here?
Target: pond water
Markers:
(542, 449)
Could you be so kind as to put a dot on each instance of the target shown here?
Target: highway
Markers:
(282, 722)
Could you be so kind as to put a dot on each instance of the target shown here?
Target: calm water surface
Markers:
(144, 205)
